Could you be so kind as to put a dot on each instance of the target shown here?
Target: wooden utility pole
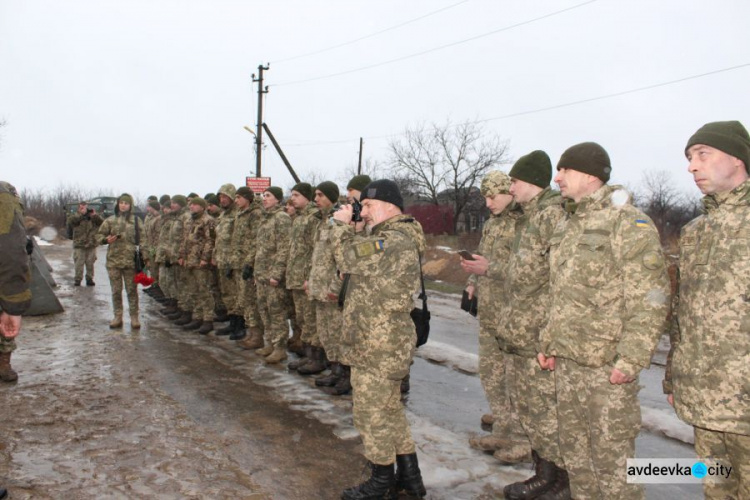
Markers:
(259, 124)
(359, 165)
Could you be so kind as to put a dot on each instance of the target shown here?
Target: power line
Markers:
(344, 44)
(441, 47)
(549, 108)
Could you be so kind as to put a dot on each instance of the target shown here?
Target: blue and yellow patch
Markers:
(369, 248)
(641, 223)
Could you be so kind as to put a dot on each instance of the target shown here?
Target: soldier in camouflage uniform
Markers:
(118, 232)
(180, 213)
(166, 273)
(150, 241)
(708, 367)
(195, 257)
(532, 390)
(271, 257)
(384, 270)
(222, 258)
(488, 272)
(609, 301)
(84, 224)
(302, 241)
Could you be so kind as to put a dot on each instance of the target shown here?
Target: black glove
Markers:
(29, 246)
(229, 272)
(167, 264)
(247, 272)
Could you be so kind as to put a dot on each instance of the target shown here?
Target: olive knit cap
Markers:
(589, 158)
(730, 137)
(245, 192)
(193, 195)
(152, 198)
(165, 199)
(330, 189)
(495, 182)
(126, 198)
(305, 189)
(383, 190)
(199, 201)
(180, 200)
(359, 182)
(228, 189)
(212, 199)
(154, 204)
(534, 168)
(276, 191)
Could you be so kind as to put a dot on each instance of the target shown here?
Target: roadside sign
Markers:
(258, 184)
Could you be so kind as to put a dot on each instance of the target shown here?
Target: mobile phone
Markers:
(465, 254)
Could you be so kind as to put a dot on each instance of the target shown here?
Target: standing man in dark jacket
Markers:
(84, 225)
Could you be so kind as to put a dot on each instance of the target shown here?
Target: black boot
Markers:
(186, 318)
(240, 331)
(316, 364)
(193, 325)
(381, 485)
(408, 476)
(561, 489)
(330, 380)
(307, 358)
(3, 493)
(540, 482)
(222, 316)
(229, 329)
(206, 327)
(343, 384)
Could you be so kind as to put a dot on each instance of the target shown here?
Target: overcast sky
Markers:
(151, 96)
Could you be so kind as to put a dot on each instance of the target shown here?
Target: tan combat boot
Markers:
(278, 355)
(265, 351)
(135, 323)
(7, 374)
(488, 419)
(252, 341)
(489, 443)
(116, 321)
(515, 454)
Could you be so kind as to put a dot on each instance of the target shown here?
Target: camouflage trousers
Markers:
(7, 345)
(84, 257)
(166, 281)
(328, 319)
(732, 450)
(305, 312)
(379, 416)
(290, 312)
(213, 286)
(229, 291)
(199, 291)
(273, 313)
(534, 398)
(181, 278)
(493, 365)
(247, 301)
(119, 277)
(598, 423)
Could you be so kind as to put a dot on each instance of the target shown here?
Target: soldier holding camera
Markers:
(84, 224)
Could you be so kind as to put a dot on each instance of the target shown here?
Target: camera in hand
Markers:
(356, 211)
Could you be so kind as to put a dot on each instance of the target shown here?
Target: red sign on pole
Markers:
(258, 184)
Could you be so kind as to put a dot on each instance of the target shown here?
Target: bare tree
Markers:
(370, 167)
(668, 208)
(442, 162)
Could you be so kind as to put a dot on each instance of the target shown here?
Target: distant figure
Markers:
(84, 225)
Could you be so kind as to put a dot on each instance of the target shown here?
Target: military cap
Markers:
(180, 200)
(193, 195)
(495, 182)
(152, 198)
(228, 189)
(534, 168)
(154, 204)
(330, 189)
(245, 192)
(276, 191)
(199, 201)
(212, 199)
(589, 158)
(126, 198)
(304, 189)
(731, 137)
(164, 199)
(383, 190)
(359, 182)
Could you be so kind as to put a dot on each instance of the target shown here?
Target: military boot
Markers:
(171, 307)
(408, 476)
(295, 343)
(304, 358)
(381, 485)
(316, 364)
(193, 325)
(405, 384)
(3, 493)
(488, 419)
(206, 327)
(179, 313)
(560, 490)
(514, 454)
(89, 282)
(277, 355)
(135, 323)
(343, 384)
(7, 373)
(265, 351)
(221, 316)
(230, 328)
(116, 321)
(186, 318)
(330, 380)
(240, 331)
(254, 340)
(540, 482)
(489, 443)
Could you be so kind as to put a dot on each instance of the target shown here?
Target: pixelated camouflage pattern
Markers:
(199, 291)
(198, 244)
(224, 229)
(329, 318)
(384, 269)
(85, 229)
(323, 277)
(120, 277)
(273, 313)
(163, 238)
(495, 182)
(244, 236)
(272, 246)
(121, 252)
(731, 450)
(176, 231)
(608, 284)
(15, 275)
(301, 243)
(83, 258)
(710, 356)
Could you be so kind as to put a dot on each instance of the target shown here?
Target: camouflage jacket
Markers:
(497, 236)
(120, 253)
(176, 234)
(710, 356)
(608, 284)
(15, 276)
(526, 287)
(84, 229)
(199, 243)
(150, 236)
(163, 254)
(324, 277)
(224, 228)
(272, 251)
(301, 242)
(245, 236)
(383, 273)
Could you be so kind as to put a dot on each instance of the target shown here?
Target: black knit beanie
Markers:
(276, 191)
(589, 158)
(304, 189)
(534, 168)
(245, 192)
(730, 137)
(330, 189)
(383, 190)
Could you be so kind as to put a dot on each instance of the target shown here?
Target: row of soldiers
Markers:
(255, 261)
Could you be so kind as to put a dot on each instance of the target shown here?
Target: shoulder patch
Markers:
(369, 248)
(652, 260)
(641, 223)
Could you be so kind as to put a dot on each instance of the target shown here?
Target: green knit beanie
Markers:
(212, 199)
(165, 199)
(125, 197)
(534, 168)
(193, 195)
(330, 189)
(154, 204)
(276, 191)
(359, 182)
(304, 189)
(199, 201)
(495, 182)
(152, 198)
(245, 192)
(730, 137)
(589, 158)
(180, 200)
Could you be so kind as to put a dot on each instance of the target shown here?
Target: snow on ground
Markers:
(41, 242)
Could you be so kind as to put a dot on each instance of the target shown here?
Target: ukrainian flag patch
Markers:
(369, 248)
(641, 223)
